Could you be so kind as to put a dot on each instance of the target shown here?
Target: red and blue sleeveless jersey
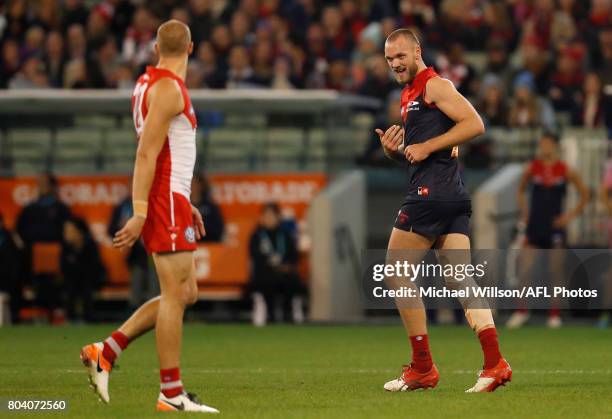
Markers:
(436, 178)
(548, 190)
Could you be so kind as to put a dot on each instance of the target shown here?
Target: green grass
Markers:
(318, 372)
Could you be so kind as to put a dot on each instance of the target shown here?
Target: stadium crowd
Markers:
(537, 57)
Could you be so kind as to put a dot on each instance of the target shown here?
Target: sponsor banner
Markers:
(499, 279)
(239, 196)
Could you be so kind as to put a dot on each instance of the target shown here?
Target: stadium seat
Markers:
(25, 138)
(230, 149)
(29, 150)
(119, 150)
(95, 121)
(284, 142)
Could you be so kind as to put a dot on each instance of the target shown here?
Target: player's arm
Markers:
(522, 189)
(392, 142)
(564, 219)
(164, 102)
(468, 124)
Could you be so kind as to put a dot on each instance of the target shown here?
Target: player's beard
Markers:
(412, 71)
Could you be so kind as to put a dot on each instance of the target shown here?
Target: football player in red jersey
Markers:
(545, 219)
(437, 208)
(162, 213)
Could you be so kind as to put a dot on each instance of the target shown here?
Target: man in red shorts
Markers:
(166, 126)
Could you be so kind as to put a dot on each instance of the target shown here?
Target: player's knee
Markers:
(191, 296)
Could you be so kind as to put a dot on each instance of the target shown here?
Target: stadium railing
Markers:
(90, 131)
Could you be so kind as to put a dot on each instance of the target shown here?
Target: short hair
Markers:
(551, 135)
(173, 38)
(271, 206)
(406, 33)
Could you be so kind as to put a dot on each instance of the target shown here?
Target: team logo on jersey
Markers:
(423, 191)
(173, 230)
(413, 105)
(190, 234)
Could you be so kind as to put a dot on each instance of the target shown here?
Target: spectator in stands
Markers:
(42, 221)
(378, 83)
(498, 64)
(34, 42)
(75, 12)
(212, 77)
(201, 198)
(75, 74)
(262, 63)
(492, 104)
(76, 41)
(452, 65)
(9, 64)
(143, 285)
(535, 61)
(338, 74)
(222, 42)
(528, 110)
(98, 26)
(82, 270)
(417, 13)
(282, 76)
(202, 20)
(240, 29)
(589, 110)
(10, 261)
(240, 73)
(55, 58)
(567, 80)
(31, 75)
(274, 260)
(498, 24)
(139, 39)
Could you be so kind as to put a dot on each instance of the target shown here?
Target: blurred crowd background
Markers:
(522, 61)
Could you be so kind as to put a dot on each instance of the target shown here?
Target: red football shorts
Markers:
(169, 225)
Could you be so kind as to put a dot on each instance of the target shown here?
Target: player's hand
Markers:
(198, 222)
(417, 152)
(562, 221)
(127, 236)
(393, 139)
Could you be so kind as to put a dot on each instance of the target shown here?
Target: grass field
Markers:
(318, 372)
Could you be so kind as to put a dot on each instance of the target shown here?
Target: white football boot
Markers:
(98, 368)
(184, 402)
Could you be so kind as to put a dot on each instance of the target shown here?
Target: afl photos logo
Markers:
(190, 234)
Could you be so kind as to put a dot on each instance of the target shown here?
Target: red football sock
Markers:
(490, 347)
(171, 384)
(554, 312)
(421, 356)
(114, 345)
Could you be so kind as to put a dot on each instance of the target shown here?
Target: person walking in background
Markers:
(274, 258)
(545, 216)
(82, 270)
